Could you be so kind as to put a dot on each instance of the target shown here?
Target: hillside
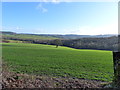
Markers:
(28, 37)
(105, 42)
(39, 59)
(75, 36)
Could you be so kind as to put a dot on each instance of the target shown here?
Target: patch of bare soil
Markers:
(16, 80)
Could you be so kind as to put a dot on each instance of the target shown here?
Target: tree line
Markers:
(106, 43)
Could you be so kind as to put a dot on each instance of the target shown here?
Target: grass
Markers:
(25, 36)
(12, 41)
(62, 61)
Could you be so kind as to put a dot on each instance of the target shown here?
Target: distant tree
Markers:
(57, 42)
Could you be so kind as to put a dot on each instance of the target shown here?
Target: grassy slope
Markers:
(62, 61)
(26, 36)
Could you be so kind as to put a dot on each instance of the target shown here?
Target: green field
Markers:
(62, 61)
(26, 36)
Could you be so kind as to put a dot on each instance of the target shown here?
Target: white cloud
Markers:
(0, 28)
(97, 30)
(111, 28)
(55, 1)
(52, 1)
(18, 28)
(44, 0)
(41, 8)
(60, 0)
(39, 31)
(14, 28)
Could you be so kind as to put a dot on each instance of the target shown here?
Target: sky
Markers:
(82, 18)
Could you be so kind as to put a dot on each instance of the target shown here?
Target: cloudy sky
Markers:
(83, 18)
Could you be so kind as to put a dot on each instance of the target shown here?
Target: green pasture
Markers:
(33, 37)
(41, 59)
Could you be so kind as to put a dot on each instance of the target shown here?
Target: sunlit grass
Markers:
(62, 61)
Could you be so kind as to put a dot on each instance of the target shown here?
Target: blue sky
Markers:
(84, 18)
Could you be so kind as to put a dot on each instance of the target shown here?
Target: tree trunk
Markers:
(116, 61)
(56, 46)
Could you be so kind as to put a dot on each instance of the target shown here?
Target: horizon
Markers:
(80, 18)
(56, 34)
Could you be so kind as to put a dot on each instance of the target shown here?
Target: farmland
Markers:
(27, 36)
(97, 43)
(41, 59)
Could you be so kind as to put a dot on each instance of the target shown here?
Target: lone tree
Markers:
(57, 42)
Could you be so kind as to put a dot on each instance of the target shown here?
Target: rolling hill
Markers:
(40, 59)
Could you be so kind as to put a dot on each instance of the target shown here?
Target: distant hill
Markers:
(16, 36)
(67, 36)
(101, 42)
(7, 32)
(74, 36)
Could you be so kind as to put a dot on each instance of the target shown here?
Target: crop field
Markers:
(41, 59)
